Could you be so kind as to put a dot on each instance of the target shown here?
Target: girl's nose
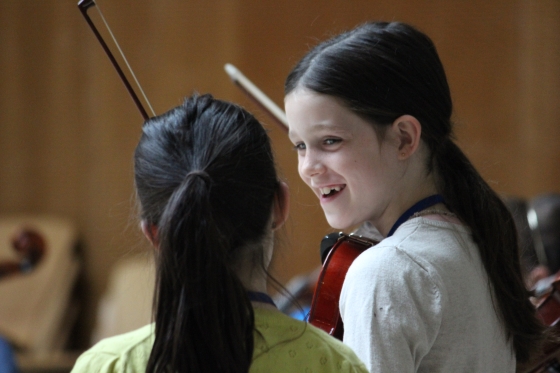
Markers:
(311, 165)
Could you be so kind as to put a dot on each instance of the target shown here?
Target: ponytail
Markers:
(195, 284)
(493, 230)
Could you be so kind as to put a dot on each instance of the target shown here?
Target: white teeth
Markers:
(327, 190)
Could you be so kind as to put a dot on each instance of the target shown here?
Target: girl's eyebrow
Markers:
(291, 135)
(322, 126)
(319, 127)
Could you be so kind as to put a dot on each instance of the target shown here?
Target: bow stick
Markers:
(257, 95)
(84, 5)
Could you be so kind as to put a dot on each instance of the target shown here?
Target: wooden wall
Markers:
(68, 127)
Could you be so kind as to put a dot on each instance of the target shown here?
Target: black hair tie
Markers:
(201, 174)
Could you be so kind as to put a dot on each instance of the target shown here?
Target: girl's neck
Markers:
(256, 283)
(251, 266)
(414, 188)
(253, 280)
(264, 306)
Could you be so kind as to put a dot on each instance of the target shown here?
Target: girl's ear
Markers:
(408, 132)
(150, 231)
(281, 206)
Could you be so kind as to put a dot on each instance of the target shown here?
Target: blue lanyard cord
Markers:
(417, 207)
(255, 296)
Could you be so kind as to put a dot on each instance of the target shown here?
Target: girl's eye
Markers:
(299, 146)
(331, 141)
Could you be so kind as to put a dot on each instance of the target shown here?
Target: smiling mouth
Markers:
(331, 191)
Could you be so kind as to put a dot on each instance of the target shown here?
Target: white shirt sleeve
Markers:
(391, 308)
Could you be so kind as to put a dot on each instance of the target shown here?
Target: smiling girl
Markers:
(369, 114)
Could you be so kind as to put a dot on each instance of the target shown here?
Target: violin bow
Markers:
(257, 95)
(84, 5)
(248, 87)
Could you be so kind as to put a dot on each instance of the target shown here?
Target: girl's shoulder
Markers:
(284, 344)
(419, 242)
(122, 353)
(281, 344)
(421, 257)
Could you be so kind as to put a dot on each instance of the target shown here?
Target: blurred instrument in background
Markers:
(30, 248)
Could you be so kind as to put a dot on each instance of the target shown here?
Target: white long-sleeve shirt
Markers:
(419, 301)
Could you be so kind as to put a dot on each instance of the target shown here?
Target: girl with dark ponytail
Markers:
(369, 113)
(210, 202)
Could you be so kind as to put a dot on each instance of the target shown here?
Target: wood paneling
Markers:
(68, 127)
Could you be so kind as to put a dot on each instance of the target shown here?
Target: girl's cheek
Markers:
(299, 171)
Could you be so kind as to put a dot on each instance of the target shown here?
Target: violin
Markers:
(325, 313)
(30, 248)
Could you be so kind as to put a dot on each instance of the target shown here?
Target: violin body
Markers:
(324, 312)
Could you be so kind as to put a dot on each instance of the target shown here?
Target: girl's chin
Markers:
(336, 223)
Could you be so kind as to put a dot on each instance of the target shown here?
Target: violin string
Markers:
(125, 60)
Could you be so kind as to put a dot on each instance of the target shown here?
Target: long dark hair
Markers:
(381, 71)
(205, 177)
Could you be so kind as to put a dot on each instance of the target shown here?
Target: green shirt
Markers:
(282, 344)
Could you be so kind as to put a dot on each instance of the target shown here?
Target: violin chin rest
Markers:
(327, 243)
